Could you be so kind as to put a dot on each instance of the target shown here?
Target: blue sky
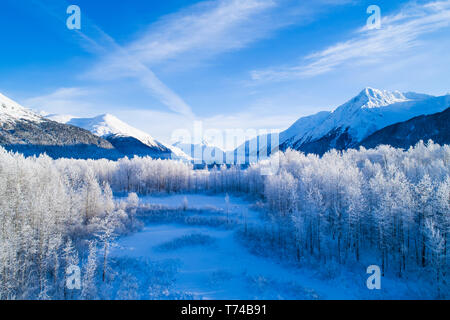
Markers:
(261, 64)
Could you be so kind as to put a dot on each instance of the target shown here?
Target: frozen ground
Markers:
(212, 264)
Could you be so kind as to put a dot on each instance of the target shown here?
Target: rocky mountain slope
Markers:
(434, 127)
(24, 131)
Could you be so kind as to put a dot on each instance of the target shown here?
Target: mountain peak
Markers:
(369, 91)
(353, 121)
(11, 111)
(110, 127)
(107, 117)
(107, 124)
(375, 98)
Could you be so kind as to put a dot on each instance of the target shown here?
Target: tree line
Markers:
(386, 204)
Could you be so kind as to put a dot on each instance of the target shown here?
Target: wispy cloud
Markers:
(200, 32)
(204, 29)
(166, 124)
(98, 42)
(131, 66)
(400, 32)
(61, 100)
(211, 27)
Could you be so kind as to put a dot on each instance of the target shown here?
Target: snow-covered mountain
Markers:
(434, 127)
(25, 131)
(127, 139)
(104, 136)
(358, 118)
(355, 120)
(204, 152)
(11, 111)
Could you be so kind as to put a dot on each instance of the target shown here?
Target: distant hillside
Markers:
(354, 121)
(357, 119)
(405, 134)
(202, 152)
(23, 131)
(126, 139)
(131, 147)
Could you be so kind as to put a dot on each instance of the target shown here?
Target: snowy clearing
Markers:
(310, 231)
(218, 266)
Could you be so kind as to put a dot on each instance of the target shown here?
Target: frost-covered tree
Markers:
(384, 204)
(89, 284)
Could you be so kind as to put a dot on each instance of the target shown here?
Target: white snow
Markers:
(107, 124)
(11, 111)
(61, 118)
(225, 269)
(201, 151)
(368, 112)
(177, 153)
(304, 126)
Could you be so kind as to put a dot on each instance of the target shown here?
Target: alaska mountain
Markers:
(372, 118)
(204, 152)
(349, 124)
(434, 127)
(22, 130)
(357, 119)
(126, 139)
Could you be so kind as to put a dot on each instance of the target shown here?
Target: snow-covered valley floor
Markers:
(212, 263)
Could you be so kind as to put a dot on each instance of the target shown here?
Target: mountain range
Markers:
(105, 136)
(126, 139)
(371, 118)
(204, 152)
(24, 131)
(405, 134)
(357, 119)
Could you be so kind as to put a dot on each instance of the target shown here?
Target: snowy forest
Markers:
(385, 206)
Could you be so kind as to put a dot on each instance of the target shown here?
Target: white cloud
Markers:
(206, 29)
(162, 125)
(131, 66)
(82, 102)
(200, 32)
(399, 33)
(96, 41)
(211, 27)
(61, 100)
